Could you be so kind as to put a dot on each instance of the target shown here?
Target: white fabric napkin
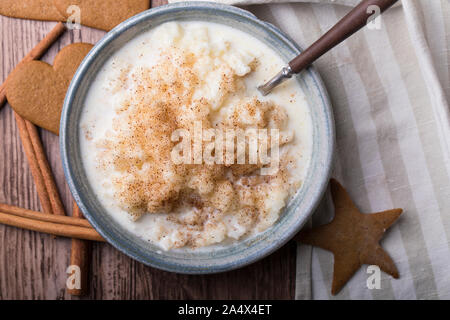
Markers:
(390, 90)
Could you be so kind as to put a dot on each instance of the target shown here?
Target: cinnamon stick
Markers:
(34, 165)
(37, 52)
(80, 256)
(47, 175)
(35, 215)
(39, 166)
(57, 229)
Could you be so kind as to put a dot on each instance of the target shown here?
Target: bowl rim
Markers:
(78, 78)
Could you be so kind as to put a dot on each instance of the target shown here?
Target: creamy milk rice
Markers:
(193, 76)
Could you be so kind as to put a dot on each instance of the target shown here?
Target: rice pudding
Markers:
(198, 80)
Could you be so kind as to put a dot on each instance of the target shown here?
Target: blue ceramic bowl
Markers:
(207, 260)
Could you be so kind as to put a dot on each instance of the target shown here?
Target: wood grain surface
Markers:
(33, 265)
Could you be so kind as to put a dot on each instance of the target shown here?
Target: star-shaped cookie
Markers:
(352, 237)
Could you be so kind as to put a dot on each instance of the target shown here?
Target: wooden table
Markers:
(33, 265)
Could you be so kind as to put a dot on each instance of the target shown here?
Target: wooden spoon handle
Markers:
(352, 22)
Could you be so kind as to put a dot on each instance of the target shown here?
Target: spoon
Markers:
(348, 25)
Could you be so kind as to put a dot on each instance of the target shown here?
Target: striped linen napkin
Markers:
(390, 90)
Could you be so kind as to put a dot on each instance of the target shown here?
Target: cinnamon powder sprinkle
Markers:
(201, 199)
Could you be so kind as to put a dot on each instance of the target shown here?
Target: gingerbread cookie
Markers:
(36, 90)
(31, 9)
(105, 14)
(352, 237)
